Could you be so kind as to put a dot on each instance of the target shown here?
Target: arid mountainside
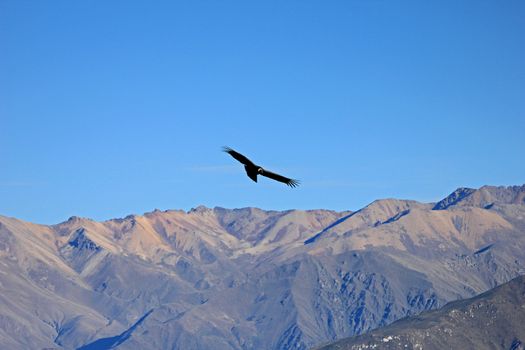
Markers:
(249, 278)
(492, 320)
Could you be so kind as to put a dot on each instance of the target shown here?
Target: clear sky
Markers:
(109, 108)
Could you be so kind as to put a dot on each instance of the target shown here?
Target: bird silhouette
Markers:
(252, 170)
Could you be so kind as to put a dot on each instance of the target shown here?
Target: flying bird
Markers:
(252, 170)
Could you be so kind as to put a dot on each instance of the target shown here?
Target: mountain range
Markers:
(215, 278)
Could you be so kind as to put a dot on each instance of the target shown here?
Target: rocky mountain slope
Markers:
(492, 320)
(249, 278)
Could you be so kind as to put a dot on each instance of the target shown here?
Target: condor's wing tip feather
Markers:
(226, 149)
(293, 183)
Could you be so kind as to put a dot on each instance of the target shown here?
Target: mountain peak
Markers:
(76, 219)
(483, 197)
(199, 210)
(454, 198)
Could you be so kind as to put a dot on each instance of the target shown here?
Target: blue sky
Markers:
(115, 107)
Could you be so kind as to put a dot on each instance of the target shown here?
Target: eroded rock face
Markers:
(249, 278)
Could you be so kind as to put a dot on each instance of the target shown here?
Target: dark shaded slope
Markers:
(113, 342)
(492, 320)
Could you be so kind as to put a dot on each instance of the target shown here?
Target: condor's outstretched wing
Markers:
(238, 156)
(277, 177)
